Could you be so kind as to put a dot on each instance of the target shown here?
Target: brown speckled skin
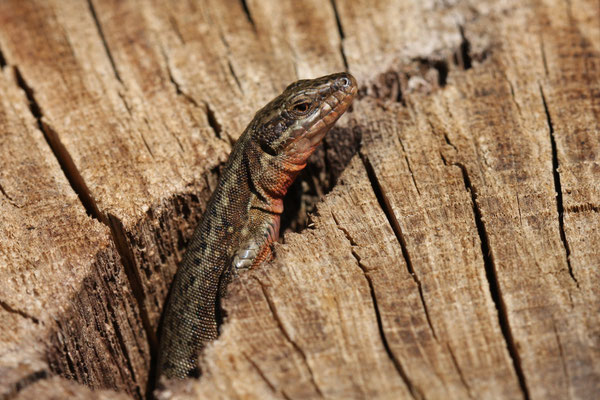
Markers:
(242, 216)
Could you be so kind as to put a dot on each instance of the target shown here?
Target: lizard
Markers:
(242, 217)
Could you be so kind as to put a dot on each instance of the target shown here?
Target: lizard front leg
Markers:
(256, 247)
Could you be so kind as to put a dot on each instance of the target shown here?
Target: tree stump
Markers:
(443, 242)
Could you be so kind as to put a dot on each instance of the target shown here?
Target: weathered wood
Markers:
(65, 302)
(456, 257)
(58, 388)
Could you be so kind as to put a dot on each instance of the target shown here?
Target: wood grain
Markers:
(455, 256)
(66, 303)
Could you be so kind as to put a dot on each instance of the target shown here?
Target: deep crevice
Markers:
(103, 40)
(57, 365)
(558, 188)
(340, 29)
(286, 335)
(60, 152)
(415, 393)
(135, 281)
(135, 284)
(320, 175)
(123, 347)
(23, 314)
(389, 214)
(247, 12)
(491, 275)
(77, 184)
(80, 188)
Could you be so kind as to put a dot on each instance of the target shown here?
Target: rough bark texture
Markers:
(456, 255)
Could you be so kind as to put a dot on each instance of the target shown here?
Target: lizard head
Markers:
(292, 125)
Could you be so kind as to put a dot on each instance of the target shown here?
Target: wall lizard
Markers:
(242, 216)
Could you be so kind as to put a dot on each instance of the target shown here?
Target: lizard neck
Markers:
(269, 178)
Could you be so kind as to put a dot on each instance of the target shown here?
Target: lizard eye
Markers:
(301, 107)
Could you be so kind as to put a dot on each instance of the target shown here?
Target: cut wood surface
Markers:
(453, 249)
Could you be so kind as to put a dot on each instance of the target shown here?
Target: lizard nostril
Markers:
(344, 82)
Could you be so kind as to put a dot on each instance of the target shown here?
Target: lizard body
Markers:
(242, 217)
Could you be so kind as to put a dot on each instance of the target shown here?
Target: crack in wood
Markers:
(319, 176)
(459, 370)
(262, 375)
(16, 311)
(414, 391)
(562, 356)
(229, 63)
(124, 100)
(15, 388)
(92, 286)
(246, 10)
(212, 121)
(543, 55)
(286, 335)
(214, 124)
(178, 89)
(512, 95)
(492, 278)
(463, 57)
(340, 30)
(135, 281)
(123, 347)
(235, 77)
(144, 139)
(61, 154)
(395, 225)
(11, 201)
(558, 187)
(2, 60)
(79, 186)
(103, 40)
(412, 175)
(440, 66)
(395, 84)
(175, 26)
